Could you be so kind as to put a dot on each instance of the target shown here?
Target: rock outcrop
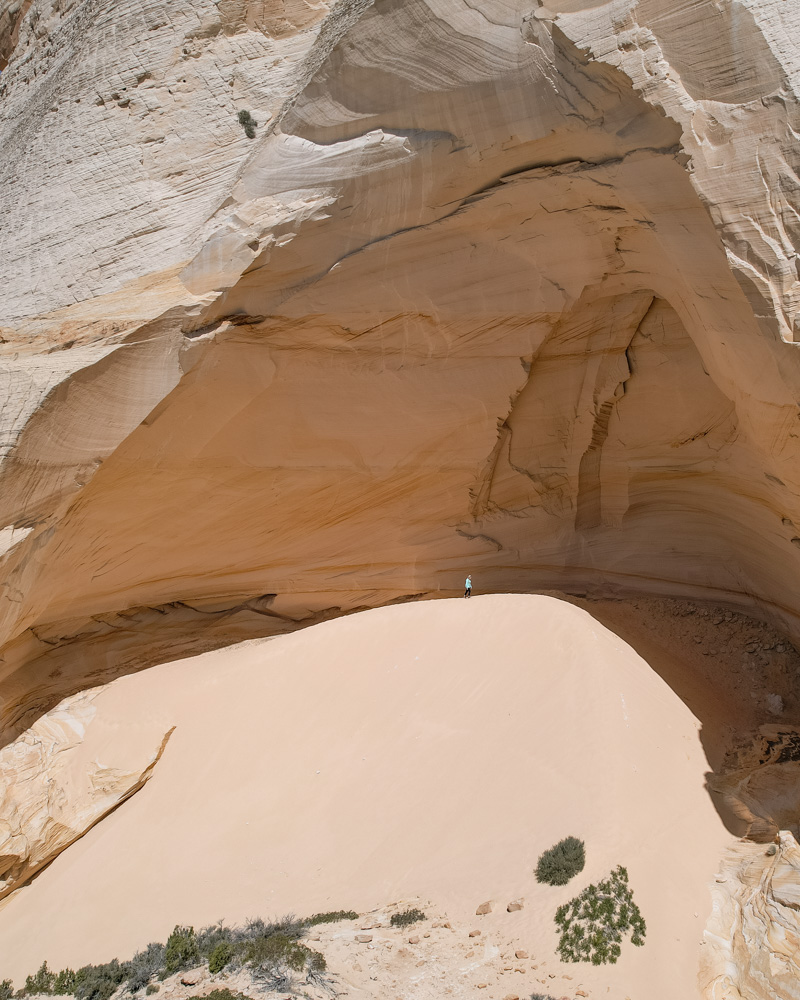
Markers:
(61, 777)
(760, 781)
(752, 940)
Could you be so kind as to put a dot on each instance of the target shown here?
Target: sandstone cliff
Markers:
(502, 287)
(494, 287)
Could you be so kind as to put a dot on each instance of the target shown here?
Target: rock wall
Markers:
(495, 288)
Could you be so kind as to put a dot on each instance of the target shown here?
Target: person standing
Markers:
(468, 587)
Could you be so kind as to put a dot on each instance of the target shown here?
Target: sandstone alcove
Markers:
(501, 288)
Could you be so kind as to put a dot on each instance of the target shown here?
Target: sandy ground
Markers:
(426, 751)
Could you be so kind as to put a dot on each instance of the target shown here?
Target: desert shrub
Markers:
(42, 981)
(276, 980)
(406, 917)
(542, 996)
(316, 962)
(65, 982)
(144, 965)
(559, 864)
(218, 945)
(181, 951)
(274, 951)
(220, 956)
(209, 938)
(224, 994)
(98, 982)
(332, 917)
(593, 924)
(255, 928)
(248, 123)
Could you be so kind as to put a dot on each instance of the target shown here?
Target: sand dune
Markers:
(427, 750)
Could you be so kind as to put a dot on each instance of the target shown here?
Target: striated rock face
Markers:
(62, 776)
(760, 781)
(496, 287)
(752, 940)
(506, 288)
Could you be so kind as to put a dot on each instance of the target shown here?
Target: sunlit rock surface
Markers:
(752, 940)
(63, 775)
(497, 288)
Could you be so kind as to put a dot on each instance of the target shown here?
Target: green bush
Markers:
(211, 937)
(181, 951)
(274, 951)
(47, 981)
(562, 862)
(98, 982)
(249, 124)
(593, 924)
(332, 917)
(406, 917)
(42, 982)
(220, 995)
(221, 954)
(65, 983)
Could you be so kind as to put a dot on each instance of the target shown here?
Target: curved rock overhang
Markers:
(504, 291)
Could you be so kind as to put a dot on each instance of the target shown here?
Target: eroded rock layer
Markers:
(756, 897)
(495, 287)
(62, 776)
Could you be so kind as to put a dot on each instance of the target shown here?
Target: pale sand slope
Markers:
(430, 749)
